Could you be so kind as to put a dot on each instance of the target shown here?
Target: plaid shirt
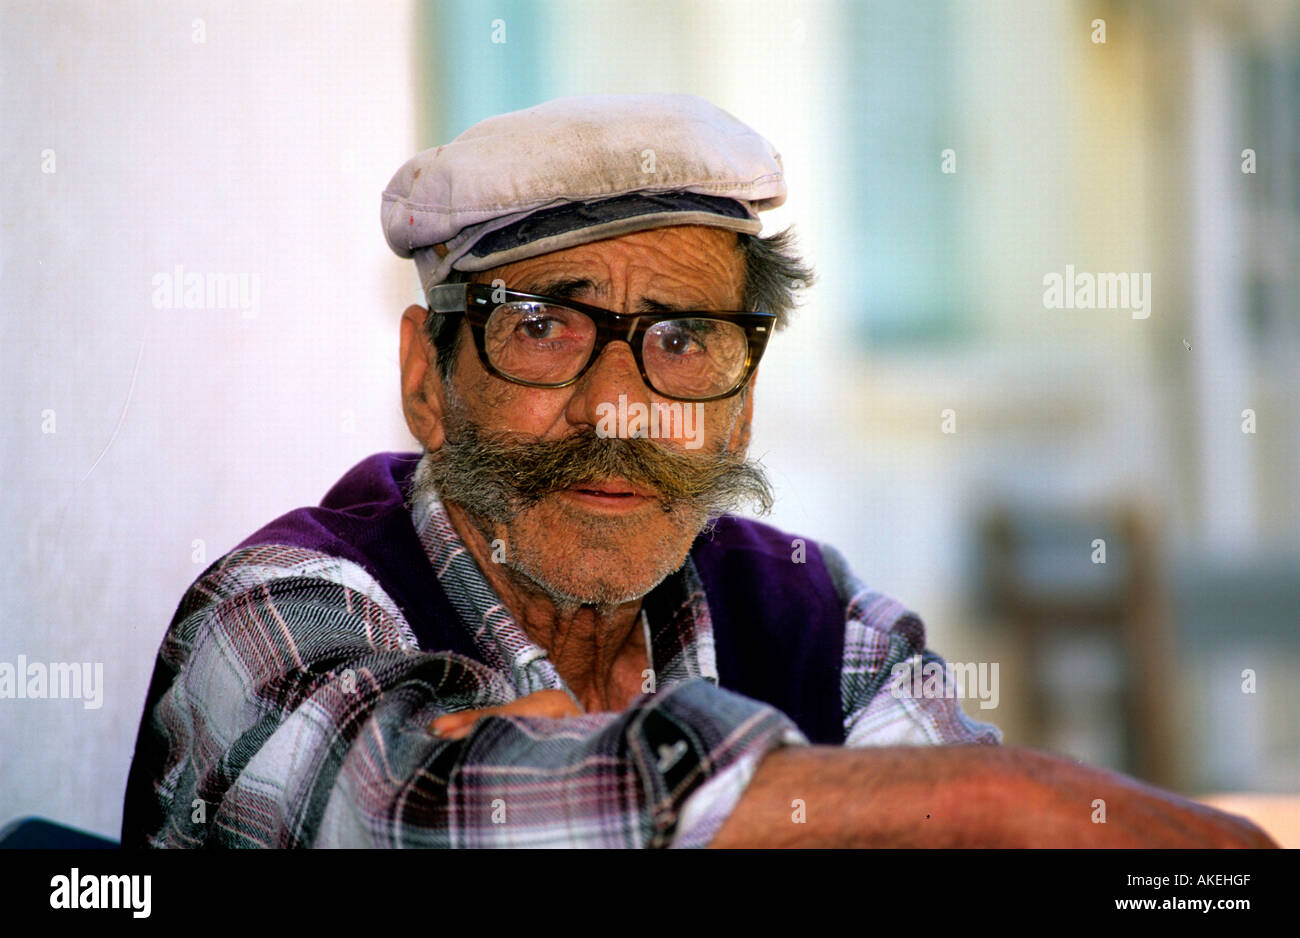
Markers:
(297, 701)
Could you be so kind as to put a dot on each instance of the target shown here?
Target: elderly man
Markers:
(548, 629)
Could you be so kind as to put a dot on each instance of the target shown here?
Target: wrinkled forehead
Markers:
(684, 266)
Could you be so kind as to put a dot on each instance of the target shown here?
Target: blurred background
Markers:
(970, 450)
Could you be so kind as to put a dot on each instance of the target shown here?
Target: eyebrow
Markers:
(570, 288)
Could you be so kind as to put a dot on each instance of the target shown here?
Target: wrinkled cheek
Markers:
(721, 427)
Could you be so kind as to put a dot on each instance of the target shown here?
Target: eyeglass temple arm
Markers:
(448, 297)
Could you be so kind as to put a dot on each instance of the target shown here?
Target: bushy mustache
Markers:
(497, 475)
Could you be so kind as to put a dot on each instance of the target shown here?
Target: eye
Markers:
(681, 338)
(540, 328)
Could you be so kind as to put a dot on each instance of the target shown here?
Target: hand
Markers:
(1048, 791)
(542, 703)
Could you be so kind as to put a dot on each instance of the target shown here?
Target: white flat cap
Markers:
(575, 170)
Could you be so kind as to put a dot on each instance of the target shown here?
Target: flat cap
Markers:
(575, 170)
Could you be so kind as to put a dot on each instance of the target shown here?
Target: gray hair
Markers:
(774, 276)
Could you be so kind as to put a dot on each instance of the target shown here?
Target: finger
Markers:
(459, 732)
(543, 703)
(551, 703)
(462, 721)
(465, 721)
(451, 722)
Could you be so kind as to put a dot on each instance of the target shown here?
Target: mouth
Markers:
(611, 493)
(615, 488)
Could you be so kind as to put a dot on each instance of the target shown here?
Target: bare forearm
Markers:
(963, 796)
(826, 796)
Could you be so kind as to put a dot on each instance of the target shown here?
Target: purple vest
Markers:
(778, 625)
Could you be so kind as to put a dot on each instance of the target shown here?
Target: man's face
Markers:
(600, 540)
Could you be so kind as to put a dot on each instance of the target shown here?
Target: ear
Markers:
(740, 434)
(421, 386)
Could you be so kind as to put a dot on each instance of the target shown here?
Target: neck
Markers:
(600, 651)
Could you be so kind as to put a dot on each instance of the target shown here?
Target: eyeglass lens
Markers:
(542, 343)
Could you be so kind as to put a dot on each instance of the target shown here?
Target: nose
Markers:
(613, 373)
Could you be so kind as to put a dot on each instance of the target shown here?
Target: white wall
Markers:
(260, 150)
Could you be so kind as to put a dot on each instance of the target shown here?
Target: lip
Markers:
(615, 487)
(610, 494)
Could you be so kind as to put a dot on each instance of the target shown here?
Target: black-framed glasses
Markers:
(544, 342)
